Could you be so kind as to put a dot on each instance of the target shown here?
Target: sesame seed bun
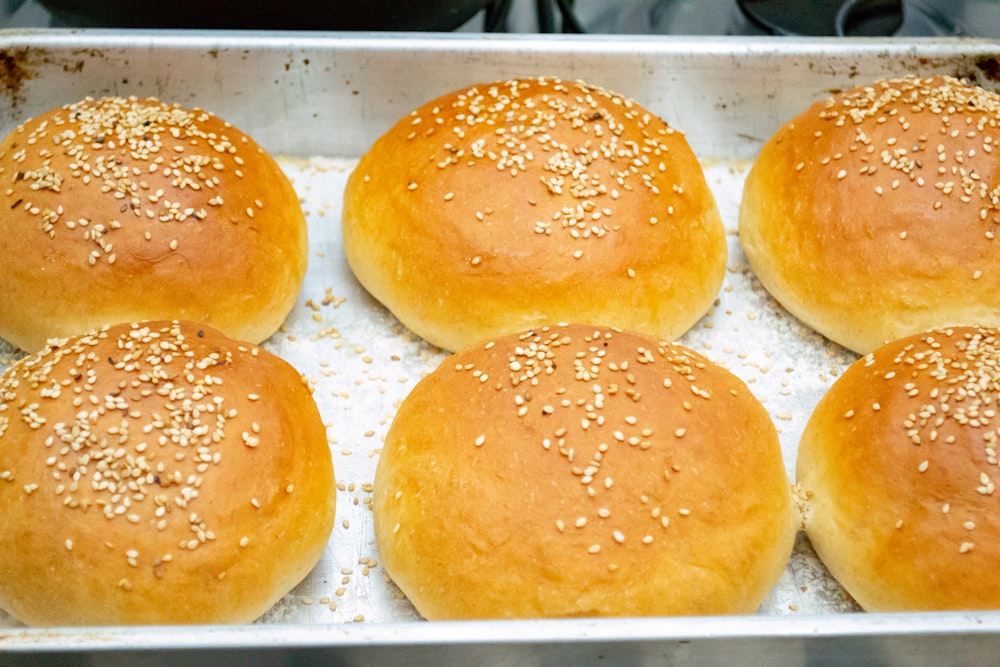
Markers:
(119, 210)
(872, 215)
(158, 473)
(898, 465)
(582, 471)
(514, 204)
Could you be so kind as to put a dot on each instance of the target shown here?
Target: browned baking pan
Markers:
(317, 100)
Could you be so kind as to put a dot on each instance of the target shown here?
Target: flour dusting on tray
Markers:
(361, 362)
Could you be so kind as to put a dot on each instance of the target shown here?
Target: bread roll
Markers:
(508, 205)
(898, 465)
(582, 471)
(157, 473)
(872, 215)
(119, 210)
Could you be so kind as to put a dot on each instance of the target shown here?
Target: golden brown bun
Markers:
(119, 210)
(158, 473)
(898, 466)
(872, 215)
(515, 204)
(581, 471)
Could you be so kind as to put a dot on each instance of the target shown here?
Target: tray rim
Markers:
(932, 636)
(695, 45)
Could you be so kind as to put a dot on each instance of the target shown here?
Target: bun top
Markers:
(582, 471)
(130, 209)
(898, 464)
(520, 203)
(158, 473)
(873, 214)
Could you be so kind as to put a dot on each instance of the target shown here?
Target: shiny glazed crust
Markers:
(872, 215)
(581, 471)
(520, 203)
(898, 469)
(158, 473)
(118, 210)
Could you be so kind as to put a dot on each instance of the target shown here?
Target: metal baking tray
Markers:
(317, 101)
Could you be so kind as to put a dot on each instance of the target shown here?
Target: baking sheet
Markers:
(317, 101)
